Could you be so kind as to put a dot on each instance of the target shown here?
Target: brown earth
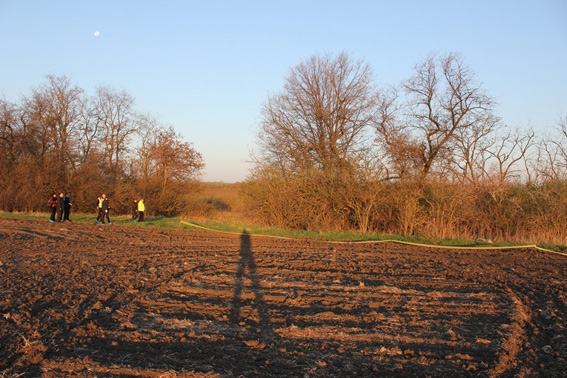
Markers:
(115, 301)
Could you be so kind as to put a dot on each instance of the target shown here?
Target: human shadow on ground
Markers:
(247, 279)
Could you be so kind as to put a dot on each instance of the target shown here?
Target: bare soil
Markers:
(114, 301)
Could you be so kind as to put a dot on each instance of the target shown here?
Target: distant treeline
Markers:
(425, 157)
(59, 139)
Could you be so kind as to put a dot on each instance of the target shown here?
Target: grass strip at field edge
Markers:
(487, 247)
(177, 222)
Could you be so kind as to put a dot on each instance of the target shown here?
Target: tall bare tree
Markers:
(50, 121)
(116, 116)
(441, 100)
(89, 129)
(471, 154)
(319, 119)
(9, 133)
(552, 153)
(507, 155)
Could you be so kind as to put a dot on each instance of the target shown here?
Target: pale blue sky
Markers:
(206, 67)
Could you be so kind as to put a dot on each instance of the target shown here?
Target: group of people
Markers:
(103, 209)
(60, 206)
(138, 210)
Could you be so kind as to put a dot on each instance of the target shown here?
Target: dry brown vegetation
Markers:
(59, 139)
(427, 157)
(517, 213)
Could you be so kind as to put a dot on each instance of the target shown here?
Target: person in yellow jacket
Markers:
(103, 209)
(98, 210)
(141, 210)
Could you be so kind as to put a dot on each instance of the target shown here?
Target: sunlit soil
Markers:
(92, 301)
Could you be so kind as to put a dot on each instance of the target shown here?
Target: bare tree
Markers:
(401, 152)
(167, 168)
(552, 153)
(562, 123)
(470, 155)
(319, 119)
(147, 135)
(116, 116)
(9, 146)
(507, 153)
(49, 120)
(89, 129)
(561, 144)
(173, 159)
(9, 132)
(441, 100)
(58, 105)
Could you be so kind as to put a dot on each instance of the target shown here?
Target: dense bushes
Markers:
(514, 212)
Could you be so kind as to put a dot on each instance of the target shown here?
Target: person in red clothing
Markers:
(134, 210)
(52, 202)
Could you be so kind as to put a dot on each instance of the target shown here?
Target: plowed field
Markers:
(115, 301)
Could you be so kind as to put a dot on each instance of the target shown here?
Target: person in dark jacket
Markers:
(105, 208)
(134, 210)
(60, 207)
(67, 207)
(52, 202)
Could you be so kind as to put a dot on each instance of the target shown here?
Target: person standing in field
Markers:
(52, 202)
(67, 207)
(141, 210)
(105, 209)
(134, 210)
(60, 207)
(99, 209)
